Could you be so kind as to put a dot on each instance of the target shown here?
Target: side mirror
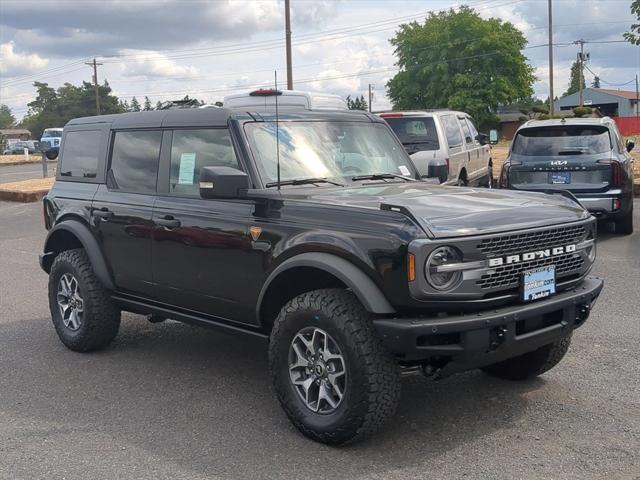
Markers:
(630, 145)
(482, 138)
(51, 154)
(223, 182)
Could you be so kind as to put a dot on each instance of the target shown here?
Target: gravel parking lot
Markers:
(178, 402)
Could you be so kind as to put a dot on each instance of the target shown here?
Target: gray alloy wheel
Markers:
(317, 370)
(70, 302)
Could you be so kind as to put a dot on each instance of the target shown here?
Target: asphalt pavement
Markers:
(15, 173)
(172, 401)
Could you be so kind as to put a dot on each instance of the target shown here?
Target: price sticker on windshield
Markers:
(404, 170)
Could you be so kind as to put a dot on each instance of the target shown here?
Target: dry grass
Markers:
(11, 159)
(28, 186)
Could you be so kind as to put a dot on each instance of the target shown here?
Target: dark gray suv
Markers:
(585, 156)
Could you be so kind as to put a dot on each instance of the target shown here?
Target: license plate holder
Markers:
(538, 283)
(559, 178)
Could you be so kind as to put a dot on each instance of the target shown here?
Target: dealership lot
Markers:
(175, 401)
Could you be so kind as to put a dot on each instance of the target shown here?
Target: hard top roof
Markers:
(214, 117)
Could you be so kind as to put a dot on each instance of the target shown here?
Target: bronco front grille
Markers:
(526, 242)
(508, 276)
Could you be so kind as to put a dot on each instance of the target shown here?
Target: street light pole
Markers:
(287, 21)
(550, 10)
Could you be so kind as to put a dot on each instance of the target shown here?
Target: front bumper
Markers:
(474, 340)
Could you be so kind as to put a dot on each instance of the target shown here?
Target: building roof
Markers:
(14, 131)
(618, 93)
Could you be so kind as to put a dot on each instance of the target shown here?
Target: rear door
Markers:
(457, 154)
(122, 209)
(478, 154)
(201, 247)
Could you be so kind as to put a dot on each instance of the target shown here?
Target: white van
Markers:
(51, 138)
(264, 100)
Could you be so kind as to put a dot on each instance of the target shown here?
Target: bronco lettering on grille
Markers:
(525, 257)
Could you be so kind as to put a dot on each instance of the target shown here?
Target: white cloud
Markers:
(154, 64)
(13, 63)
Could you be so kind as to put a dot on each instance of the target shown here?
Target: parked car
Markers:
(311, 230)
(265, 100)
(445, 145)
(17, 148)
(51, 138)
(584, 156)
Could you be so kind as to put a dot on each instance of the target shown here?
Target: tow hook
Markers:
(497, 337)
(582, 313)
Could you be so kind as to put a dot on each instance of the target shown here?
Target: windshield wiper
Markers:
(303, 181)
(381, 176)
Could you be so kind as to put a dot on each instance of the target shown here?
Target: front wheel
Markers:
(531, 364)
(334, 379)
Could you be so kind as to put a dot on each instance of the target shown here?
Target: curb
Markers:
(23, 197)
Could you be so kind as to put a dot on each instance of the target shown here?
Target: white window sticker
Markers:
(187, 169)
(404, 170)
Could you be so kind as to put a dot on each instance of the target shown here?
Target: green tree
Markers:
(456, 59)
(596, 82)
(7, 120)
(358, 103)
(147, 104)
(158, 105)
(54, 108)
(135, 105)
(576, 78)
(633, 35)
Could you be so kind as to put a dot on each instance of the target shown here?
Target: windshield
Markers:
(52, 134)
(415, 131)
(339, 150)
(562, 140)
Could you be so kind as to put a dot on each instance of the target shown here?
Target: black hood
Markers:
(452, 211)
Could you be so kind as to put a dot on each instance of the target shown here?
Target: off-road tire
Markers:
(373, 376)
(531, 364)
(624, 226)
(101, 318)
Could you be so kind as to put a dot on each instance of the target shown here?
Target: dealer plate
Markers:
(559, 178)
(538, 283)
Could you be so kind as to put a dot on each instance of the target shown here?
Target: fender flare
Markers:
(90, 245)
(353, 277)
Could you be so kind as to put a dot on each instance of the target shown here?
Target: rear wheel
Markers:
(489, 182)
(83, 315)
(531, 364)
(624, 226)
(462, 179)
(334, 379)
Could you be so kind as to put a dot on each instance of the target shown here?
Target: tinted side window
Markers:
(472, 129)
(134, 160)
(193, 149)
(465, 129)
(79, 157)
(452, 130)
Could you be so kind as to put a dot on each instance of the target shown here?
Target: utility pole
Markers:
(370, 97)
(550, 9)
(287, 28)
(637, 103)
(94, 64)
(581, 59)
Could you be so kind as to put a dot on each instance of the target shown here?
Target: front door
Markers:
(201, 247)
(122, 209)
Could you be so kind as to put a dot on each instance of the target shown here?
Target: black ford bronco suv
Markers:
(310, 230)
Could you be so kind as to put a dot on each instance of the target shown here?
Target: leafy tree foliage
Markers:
(7, 120)
(147, 104)
(54, 108)
(582, 111)
(575, 79)
(135, 105)
(358, 103)
(458, 60)
(633, 36)
(596, 82)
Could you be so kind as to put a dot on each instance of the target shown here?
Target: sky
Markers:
(166, 49)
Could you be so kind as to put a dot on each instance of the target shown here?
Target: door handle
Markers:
(103, 214)
(167, 222)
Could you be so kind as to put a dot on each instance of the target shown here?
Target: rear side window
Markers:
(134, 160)
(193, 149)
(420, 132)
(79, 157)
(452, 130)
(466, 131)
(562, 140)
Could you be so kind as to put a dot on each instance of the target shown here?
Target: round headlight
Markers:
(441, 278)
